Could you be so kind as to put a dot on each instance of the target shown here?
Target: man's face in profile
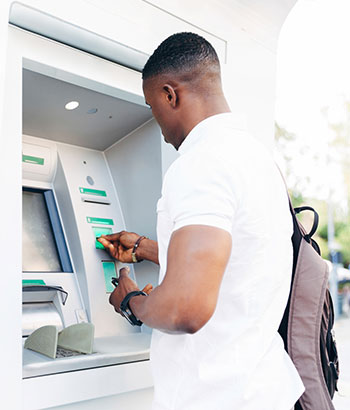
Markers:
(157, 99)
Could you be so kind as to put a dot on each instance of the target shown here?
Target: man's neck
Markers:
(200, 112)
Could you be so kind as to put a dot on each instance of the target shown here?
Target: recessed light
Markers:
(72, 105)
(92, 111)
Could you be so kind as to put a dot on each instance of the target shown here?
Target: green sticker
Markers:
(99, 221)
(90, 191)
(32, 160)
(30, 282)
(109, 272)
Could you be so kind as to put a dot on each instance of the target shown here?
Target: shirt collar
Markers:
(207, 126)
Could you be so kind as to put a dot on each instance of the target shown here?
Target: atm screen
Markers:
(39, 250)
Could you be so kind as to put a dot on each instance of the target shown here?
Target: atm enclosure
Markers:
(86, 172)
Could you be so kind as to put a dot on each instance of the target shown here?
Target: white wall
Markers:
(10, 240)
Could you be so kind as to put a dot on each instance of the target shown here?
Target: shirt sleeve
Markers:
(202, 192)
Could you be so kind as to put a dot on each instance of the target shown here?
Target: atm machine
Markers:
(86, 172)
(69, 199)
(71, 196)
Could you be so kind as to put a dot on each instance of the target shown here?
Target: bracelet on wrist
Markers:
(133, 253)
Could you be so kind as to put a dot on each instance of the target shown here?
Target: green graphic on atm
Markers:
(98, 231)
(109, 273)
(108, 267)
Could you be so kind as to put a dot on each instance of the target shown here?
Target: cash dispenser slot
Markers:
(100, 201)
(41, 306)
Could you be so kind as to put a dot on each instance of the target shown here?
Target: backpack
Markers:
(306, 327)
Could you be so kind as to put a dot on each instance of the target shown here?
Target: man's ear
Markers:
(170, 95)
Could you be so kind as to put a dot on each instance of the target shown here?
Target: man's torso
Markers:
(227, 179)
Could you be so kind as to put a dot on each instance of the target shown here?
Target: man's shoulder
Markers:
(233, 155)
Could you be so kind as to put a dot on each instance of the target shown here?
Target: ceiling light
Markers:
(72, 105)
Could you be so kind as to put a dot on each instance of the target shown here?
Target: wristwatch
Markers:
(126, 311)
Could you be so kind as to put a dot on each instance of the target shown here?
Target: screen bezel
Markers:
(56, 227)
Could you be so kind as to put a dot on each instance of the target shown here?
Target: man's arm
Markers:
(120, 245)
(187, 297)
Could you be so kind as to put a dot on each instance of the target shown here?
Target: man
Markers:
(224, 248)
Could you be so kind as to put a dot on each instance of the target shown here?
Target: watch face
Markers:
(127, 317)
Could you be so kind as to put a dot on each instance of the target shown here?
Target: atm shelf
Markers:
(108, 351)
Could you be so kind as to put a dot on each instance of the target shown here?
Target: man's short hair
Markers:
(181, 52)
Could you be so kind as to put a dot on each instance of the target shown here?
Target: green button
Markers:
(109, 272)
(98, 232)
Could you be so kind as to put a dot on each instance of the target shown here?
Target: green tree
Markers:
(283, 141)
(288, 147)
(340, 147)
(342, 237)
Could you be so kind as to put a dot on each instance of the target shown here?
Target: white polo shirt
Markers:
(227, 179)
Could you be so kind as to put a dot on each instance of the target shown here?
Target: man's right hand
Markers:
(120, 245)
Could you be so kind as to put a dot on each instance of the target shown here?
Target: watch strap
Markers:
(126, 310)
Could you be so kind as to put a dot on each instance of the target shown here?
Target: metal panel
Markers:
(72, 387)
(39, 248)
(49, 26)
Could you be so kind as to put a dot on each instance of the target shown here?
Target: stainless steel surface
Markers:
(30, 296)
(35, 315)
(50, 26)
(44, 114)
(108, 351)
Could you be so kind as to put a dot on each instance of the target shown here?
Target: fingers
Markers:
(108, 246)
(124, 272)
(112, 301)
(148, 289)
(125, 285)
(111, 249)
(105, 242)
(113, 237)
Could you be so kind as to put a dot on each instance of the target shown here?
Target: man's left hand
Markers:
(125, 286)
